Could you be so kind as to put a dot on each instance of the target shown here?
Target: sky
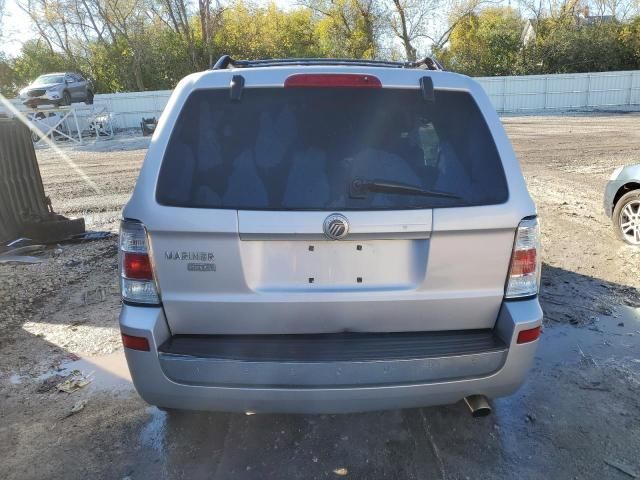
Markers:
(16, 28)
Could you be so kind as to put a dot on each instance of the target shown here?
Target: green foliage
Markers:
(562, 47)
(37, 58)
(166, 59)
(487, 43)
(8, 86)
(144, 48)
(629, 37)
(109, 63)
(346, 28)
(263, 32)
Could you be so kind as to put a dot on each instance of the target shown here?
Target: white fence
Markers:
(525, 94)
(560, 93)
(128, 109)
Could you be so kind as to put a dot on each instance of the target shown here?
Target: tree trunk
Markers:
(137, 70)
(409, 49)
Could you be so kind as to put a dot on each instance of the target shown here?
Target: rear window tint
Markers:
(303, 148)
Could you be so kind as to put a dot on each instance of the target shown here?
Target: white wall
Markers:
(130, 108)
(525, 94)
(559, 93)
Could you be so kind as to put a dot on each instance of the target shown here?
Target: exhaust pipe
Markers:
(478, 405)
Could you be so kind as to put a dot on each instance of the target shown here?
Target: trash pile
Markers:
(25, 251)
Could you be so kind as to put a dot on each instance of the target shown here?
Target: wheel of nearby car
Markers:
(66, 98)
(626, 217)
(89, 100)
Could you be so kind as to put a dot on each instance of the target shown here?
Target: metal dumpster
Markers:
(25, 210)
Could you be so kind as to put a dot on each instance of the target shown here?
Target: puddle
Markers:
(585, 353)
(107, 372)
(153, 433)
(15, 379)
(618, 333)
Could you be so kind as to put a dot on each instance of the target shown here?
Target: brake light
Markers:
(137, 266)
(331, 80)
(524, 271)
(136, 272)
(135, 343)
(524, 262)
(526, 336)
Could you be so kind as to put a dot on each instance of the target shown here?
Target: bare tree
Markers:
(176, 16)
(51, 22)
(457, 11)
(418, 23)
(210, 13)
(409, 22)
(620, 9)
(569, 9)
(70, 26)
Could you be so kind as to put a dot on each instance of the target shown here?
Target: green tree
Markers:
(568, 44)
(8, 80)
(36, 58)
(260, 32)
(629, 36)
(486, 43)
(348, 28)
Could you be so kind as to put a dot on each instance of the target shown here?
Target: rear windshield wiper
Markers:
(360, 187)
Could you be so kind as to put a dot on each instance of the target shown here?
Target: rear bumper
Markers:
(326, 386)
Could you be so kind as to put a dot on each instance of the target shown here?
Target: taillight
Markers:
(136, 266)
(331, 80)
(524, 272)
(136, 272)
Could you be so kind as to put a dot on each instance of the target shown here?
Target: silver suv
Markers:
(329, 236)
(58, 89)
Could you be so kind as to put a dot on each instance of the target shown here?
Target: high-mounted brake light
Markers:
(524, 272)
(136, 272)
(332, 80)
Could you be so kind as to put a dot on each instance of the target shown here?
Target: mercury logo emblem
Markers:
(336, 226)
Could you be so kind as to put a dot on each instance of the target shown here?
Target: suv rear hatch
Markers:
(249, 182)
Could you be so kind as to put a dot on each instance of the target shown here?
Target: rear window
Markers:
(315, 149)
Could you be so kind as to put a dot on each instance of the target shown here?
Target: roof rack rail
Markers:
(225, 61)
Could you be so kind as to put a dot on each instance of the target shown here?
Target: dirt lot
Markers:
(576, 417)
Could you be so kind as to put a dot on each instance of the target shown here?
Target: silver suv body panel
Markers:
(153, 380)
(256, 272)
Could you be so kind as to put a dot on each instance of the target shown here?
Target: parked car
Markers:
(45, 121)
(329, 236)
(622, 202)
(58, 89)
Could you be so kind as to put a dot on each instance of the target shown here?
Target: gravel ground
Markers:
(576, 417)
